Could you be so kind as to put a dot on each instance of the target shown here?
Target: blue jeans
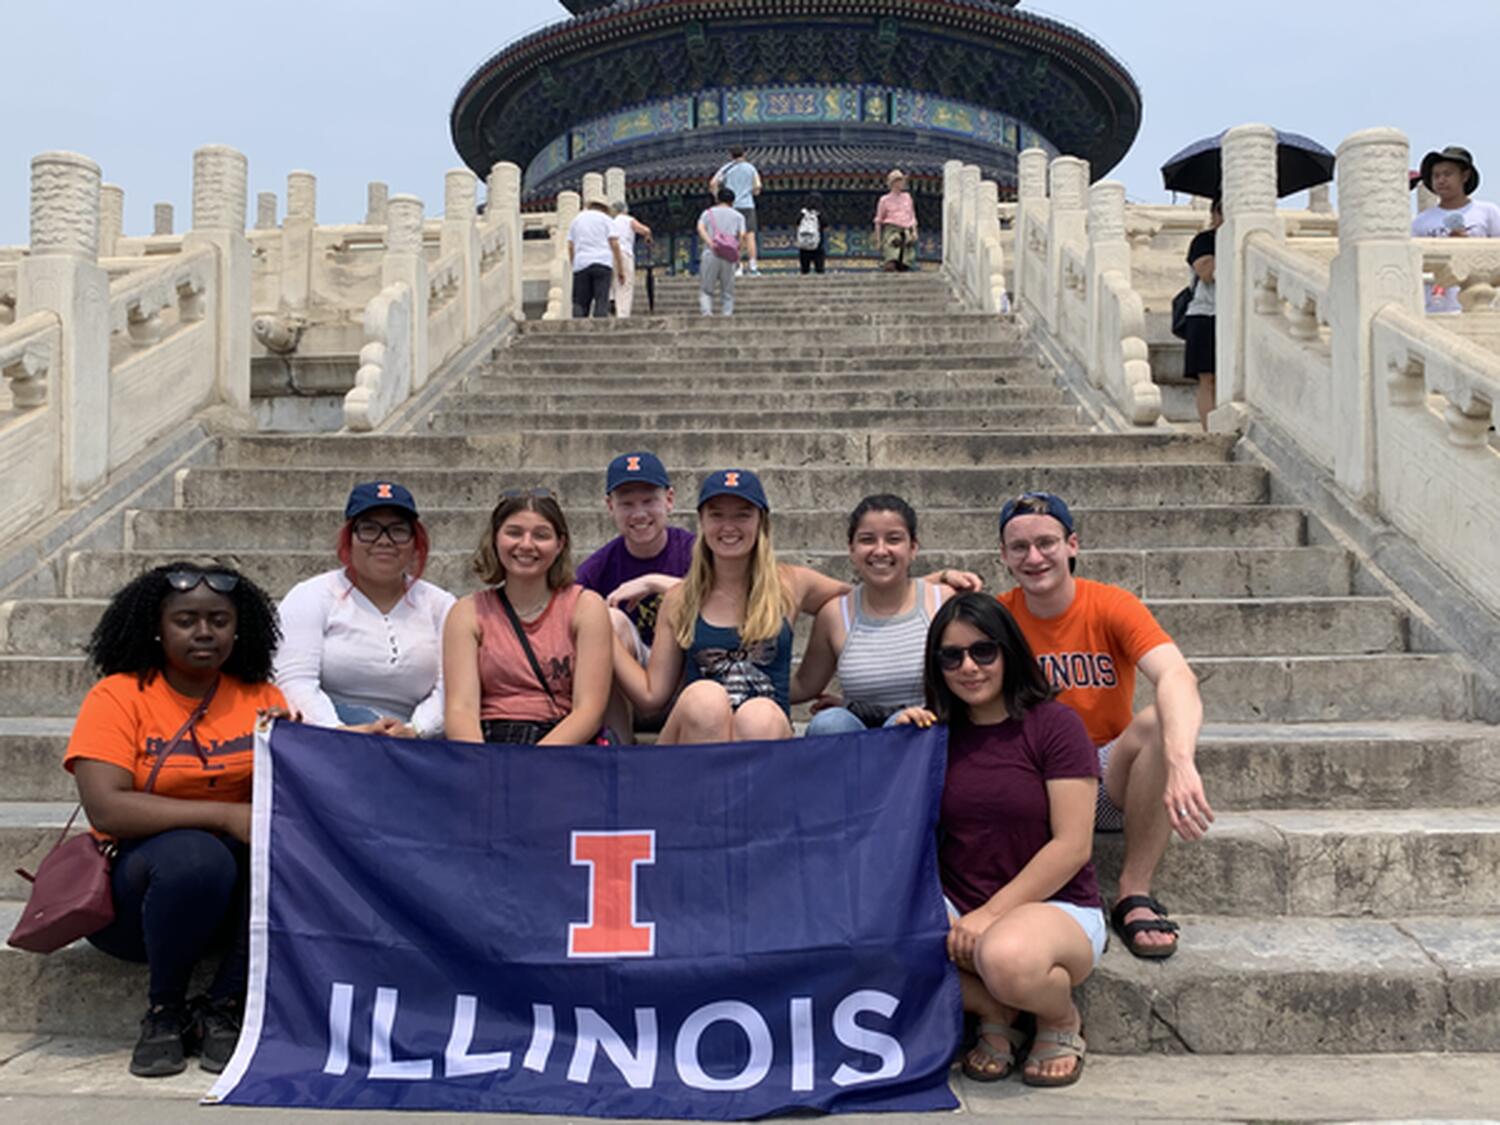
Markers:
(840, 720)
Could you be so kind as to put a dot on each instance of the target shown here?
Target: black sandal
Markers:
(1129, 930)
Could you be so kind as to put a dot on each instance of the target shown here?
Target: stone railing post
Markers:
(992, 258)
(1031, 201)
(1320, 200)
(111, 219)
(593, 187)
(560, 291)
(614, 185)
(377, 199)
(221, 179)
(1377, 266)
(405, 264)
(265, 211)
(161, 218)
(952, 252)
(1109, 249)
(968, 225)
(1068, 184)
(503, 206)
(1249, 183)
(461, 234)
(296, 241)
(62, 275)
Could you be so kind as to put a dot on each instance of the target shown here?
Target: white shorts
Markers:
(638, 647)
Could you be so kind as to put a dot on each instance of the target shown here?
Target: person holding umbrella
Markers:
(1301, 163)
(1199, 339)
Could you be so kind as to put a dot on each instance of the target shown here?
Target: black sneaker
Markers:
(161, 1050)
(218, 1027)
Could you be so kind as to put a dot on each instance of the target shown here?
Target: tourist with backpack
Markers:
(810, 234)
(721, 233)
(743, 179)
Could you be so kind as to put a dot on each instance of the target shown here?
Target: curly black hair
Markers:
(127, 637)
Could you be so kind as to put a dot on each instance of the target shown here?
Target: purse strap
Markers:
(192, 720)
(515, 623)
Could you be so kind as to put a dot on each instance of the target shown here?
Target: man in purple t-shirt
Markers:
(635, 568)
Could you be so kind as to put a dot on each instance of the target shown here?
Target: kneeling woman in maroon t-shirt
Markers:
(1017, 833)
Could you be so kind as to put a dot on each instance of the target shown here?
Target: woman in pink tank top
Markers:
(550, 687)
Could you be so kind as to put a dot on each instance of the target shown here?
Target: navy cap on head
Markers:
(734, 482)
(636, 468)
(379, 494)
(1036, 504)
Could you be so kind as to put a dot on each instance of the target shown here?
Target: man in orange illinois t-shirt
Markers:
(1090, 638)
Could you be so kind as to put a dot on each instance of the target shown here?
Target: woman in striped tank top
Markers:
(874, 636)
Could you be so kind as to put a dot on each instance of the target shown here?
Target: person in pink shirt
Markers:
(896, 225)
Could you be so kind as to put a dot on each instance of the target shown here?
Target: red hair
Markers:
(421, 545)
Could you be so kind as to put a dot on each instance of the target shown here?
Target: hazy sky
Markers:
(361, 91)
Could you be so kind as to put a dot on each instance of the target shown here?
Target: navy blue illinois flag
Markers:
(711, 932)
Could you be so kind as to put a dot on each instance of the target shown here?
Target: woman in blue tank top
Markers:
(731, 620)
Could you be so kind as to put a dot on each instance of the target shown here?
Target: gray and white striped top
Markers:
(881, 663)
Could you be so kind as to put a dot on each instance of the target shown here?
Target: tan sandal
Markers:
(989, 1053)
(1050, 1044)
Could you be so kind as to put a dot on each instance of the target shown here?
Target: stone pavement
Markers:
(58, 1081)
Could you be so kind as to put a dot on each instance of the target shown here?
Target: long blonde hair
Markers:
(766, 606)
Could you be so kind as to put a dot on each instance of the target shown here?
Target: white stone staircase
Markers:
(1347, 899)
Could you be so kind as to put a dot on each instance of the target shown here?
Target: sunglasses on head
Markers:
(982, 653)
(185, 579)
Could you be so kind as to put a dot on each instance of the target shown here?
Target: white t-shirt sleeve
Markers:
(427, 717)
(299, 659)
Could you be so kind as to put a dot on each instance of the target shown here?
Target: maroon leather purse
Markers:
(70, 891)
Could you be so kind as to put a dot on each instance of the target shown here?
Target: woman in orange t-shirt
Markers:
(179, 638)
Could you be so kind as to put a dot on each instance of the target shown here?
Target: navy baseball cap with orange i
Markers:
(1036, 504)
(379, 494)
(636, 468)
(734, 482)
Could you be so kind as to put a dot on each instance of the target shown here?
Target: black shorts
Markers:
(1198, 347)
(750, 224)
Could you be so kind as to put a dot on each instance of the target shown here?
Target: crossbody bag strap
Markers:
(515, 623)
(192, 721)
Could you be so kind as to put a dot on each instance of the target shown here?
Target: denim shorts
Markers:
(1108, 816)
(1090, 918)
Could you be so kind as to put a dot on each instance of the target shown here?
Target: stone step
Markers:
(394, 452)
(1235, 689)
(496, 416)
(1274, 572)
(902, 355)
(197, 530)
(47, 626)
(490, 392)
(698, 381)
(910, 366)
(1309, 863)
(1303, 986)
(1167, 485)
(655, 325)
(1372, 766)
(820, 335)
(1269, 986)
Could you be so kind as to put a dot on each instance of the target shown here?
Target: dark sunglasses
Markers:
(399, 533)
(982, 653)
(219, 581)
(531, 493)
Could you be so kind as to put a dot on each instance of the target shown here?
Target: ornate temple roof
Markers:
(617, 55)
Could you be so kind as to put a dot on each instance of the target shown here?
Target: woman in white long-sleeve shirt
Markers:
(362, 645)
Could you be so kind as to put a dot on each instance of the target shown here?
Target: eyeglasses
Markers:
(219, 581)
(530, 493)
(399, 533)
(1046, 544)
(982, 653)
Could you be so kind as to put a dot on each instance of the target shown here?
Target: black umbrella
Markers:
(1301, 163)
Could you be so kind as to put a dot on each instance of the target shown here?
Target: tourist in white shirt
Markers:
(627, 226)
(362, 645)
(594, 252)
(1452, 177)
